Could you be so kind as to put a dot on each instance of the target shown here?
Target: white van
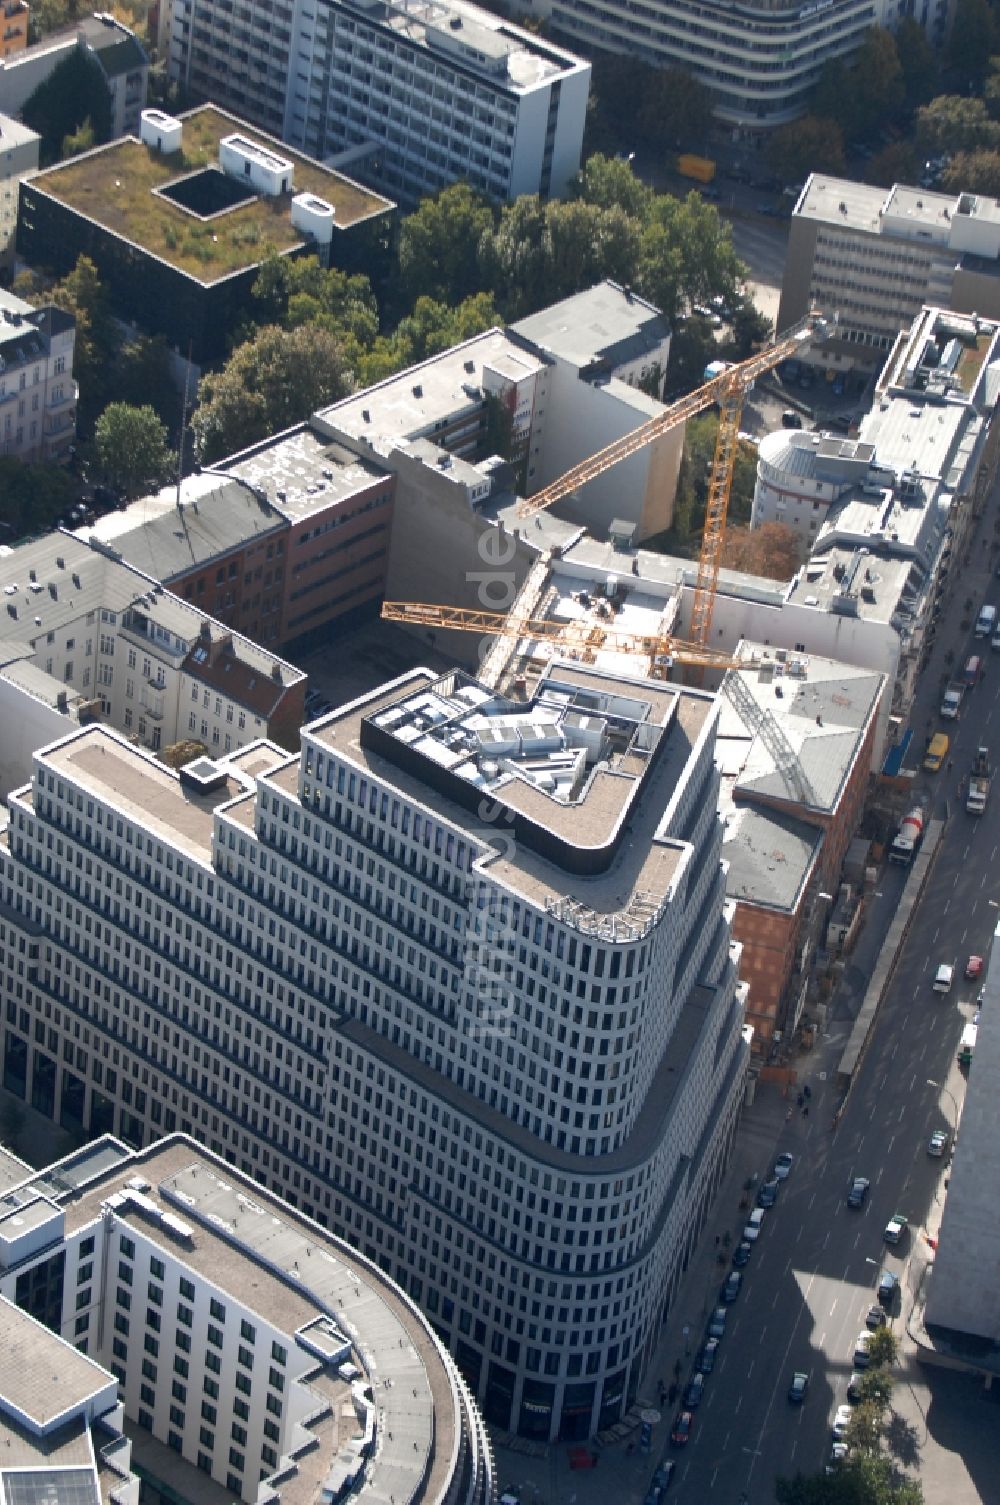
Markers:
(986, 622)
(943, 979)
(752, 1231)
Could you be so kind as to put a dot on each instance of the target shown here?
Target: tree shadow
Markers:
(901, 1438)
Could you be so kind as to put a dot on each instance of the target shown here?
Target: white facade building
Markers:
(37, 390)
(457, 980)
(425, 92)
(269, 1356)
(760, 61)
(18, 157)
(871, 258)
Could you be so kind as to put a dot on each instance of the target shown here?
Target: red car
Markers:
(682, 1429)
(973, 967)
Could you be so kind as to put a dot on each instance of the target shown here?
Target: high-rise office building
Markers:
(457, 981)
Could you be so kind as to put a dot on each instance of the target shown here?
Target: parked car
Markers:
(857, 1192)
(645, 1437)
(681, 1434)
(797, 1389)
(887, 1287)
(741, 1254)
(664, 1474)
(862, 1358)
(854, 1387)
(694, 1392)
(731, 1286)
(783, 1165)
(895, 1228)
(937, 1144)
(768, 1194)
(837, 1458)
(973, 967)
(875, 1317)
(841, 1422)
(708, 1355)
(717, 1322)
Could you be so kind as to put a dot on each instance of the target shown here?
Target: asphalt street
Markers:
(813, 1272)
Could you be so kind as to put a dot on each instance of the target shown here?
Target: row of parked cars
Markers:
(877, 1316)
(732, 1285)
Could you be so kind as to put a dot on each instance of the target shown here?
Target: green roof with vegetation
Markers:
(115, 186)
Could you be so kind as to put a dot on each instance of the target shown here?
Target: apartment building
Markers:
(37, 390)
(872, 258)
(89, 638)
(504, 1058)
(168, 1294)
(759, 69)
(417, 93)
(107, 43)
(14, 15)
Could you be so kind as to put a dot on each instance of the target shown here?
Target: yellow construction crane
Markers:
(728, 390)
(583, 635)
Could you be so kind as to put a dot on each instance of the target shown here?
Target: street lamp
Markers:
(947, 1090)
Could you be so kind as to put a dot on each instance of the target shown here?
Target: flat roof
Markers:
(302, 472)
(290, 1271)
(604, 322)
(408, 405)
(850, 205)
(769, 855)
(115, 185)
(42, 1377)
(477, 39)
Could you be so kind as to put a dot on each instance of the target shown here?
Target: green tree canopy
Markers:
(439, 245)
(293, 291)
(32, 497)
(918, 61)
(952, 123)
(811, 144)
(637, 106)
(97, 340)
(973, 172)
(879, 89)
(610, 183)
(130, 446)
(269, 383)
(75, 91)
(883, 1350)
(895, 163)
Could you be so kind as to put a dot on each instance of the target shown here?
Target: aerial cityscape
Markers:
(500, 545)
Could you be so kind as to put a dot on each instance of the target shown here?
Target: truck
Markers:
(702, 169)
(908, 837)
(979, 782)
(937, 751)
(967, 1044)
(951, 702)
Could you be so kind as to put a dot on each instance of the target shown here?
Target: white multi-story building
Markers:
(871, 258)
(457, 981)
(179, 1296)
(759, 60)
(18, 156)
(415, 93)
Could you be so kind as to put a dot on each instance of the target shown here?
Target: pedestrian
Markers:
(805, 1111)
(951, 764)
(788, 1115)
(717, 1241)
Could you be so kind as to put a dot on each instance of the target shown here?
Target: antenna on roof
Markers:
(184, 415)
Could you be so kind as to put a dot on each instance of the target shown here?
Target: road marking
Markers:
(894, 1050)
(965, 934)
(878, 1175)
(725, 1443)
(715, 1475)
(795, 1443)
(827, 1239)
(856, 1243)
(810, 1202)
(822, 1339)
(901, 1112)
(750, 1370)
(739, 1402)
(834, 1307)
(763, 1331)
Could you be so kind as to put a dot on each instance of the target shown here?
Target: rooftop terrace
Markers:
(116, 186)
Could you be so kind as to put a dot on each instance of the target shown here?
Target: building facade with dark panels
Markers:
(179, 272)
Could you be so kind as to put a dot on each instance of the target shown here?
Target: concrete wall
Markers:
(794, 303)
(581, 419)
(25, 724)
(976, 292)
(964, 1291)
(443, 551)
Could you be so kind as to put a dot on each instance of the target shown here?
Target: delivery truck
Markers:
(702, 169)
(979, 782)
(911, 830)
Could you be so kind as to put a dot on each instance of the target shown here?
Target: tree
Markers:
(80, 140)
(635, 104)
(918, 62)
(951, 123)
(33, 498)
(75, 91)
(895, 163)
(864, 1430)
(773, 550)
(807, 145)
(130, 446)
(585, 244)
(675, 110)
(439, 245)
(609, 183)
(180, 753)
(883, 1350)
(833, 97)
(750, 327)
(292, 291)
(513, 257)
(269, 383)
(879, 90)
(972, 42)
(973, 172)
(866, 1479)
(143, 376)
(82, 294)
(875, 1388)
